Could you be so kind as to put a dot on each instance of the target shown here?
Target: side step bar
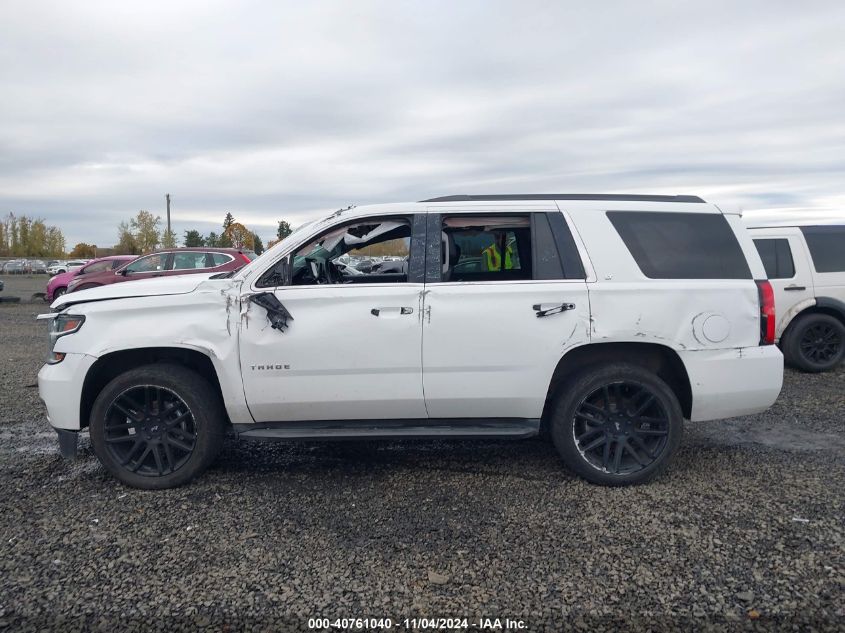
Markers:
(461, 428)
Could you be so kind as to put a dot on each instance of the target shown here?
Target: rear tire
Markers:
(815, 343)
(617, 425)
(157, 426)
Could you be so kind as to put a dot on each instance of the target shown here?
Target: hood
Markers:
(157, 286)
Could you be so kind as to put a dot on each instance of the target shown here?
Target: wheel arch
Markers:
(659, 359)
(823, 305)
(110, 365)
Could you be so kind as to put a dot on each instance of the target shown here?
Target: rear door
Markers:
(788, 269)
(505, 298)
(186, 262)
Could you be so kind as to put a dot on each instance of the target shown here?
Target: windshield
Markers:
(244, 272)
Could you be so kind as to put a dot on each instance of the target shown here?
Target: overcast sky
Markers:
(287, 110)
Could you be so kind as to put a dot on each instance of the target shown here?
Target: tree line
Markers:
(143, 234)
(22, 236)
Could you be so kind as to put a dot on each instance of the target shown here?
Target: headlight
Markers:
(61, 325)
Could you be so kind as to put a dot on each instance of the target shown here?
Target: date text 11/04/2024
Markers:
(491, 624)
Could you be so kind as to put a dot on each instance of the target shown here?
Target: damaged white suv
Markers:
(600, 321)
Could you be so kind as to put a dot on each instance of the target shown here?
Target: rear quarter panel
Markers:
(628, 306)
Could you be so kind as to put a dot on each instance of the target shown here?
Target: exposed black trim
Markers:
(573, 267)
(454, 428)
(67, 443)
(416, 258)
(433, 257)
(617, 197)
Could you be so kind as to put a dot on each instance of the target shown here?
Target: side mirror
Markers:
(122, 272)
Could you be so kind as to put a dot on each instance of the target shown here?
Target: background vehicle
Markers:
(58, 284)
(805, 262)
(63, 267)
(180, 261)
(14, 267)
(599, 321)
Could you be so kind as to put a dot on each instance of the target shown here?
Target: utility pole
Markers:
(167, 197)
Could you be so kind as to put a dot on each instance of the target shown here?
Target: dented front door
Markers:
(348, 352)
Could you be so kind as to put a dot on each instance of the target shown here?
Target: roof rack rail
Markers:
(616, 197)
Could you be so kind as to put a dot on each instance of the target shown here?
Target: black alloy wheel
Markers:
(157, 426)
(820, 344)
(814, 342)
(617, 424)
(621, 428)
(150, 430)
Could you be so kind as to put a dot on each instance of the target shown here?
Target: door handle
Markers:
(403, 310)
(795, 288)
(545, 309)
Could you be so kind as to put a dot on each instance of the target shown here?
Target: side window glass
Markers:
(670, 245)
(486, 248)
(218, 259)
(151, 263)
(826, 247)
(95, 268)
(365, 251)
(190, 260)
(777, 257)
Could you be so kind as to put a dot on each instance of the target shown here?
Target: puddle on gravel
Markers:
(782, 436)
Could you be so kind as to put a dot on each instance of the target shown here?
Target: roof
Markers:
(617, 197)
(792, 218)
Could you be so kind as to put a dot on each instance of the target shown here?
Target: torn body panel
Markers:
(277, 314)
(200, 320)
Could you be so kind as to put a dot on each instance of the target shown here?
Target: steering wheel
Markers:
(333, 274)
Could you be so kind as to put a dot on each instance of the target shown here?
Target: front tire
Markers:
(157, 426)
(815, 343)
(617, 425)
(59, 292)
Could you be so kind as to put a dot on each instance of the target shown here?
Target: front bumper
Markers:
(733, 382)
(60, 388)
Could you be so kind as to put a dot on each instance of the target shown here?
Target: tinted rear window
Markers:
(827, 247)
(777, 257)
(681, 245)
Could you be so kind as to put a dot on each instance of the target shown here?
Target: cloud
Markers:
(284, 110)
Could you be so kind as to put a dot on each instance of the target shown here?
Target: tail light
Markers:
(767, 312)
(244, 257)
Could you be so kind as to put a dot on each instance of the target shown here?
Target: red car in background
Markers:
(58, 284)
(177, 261)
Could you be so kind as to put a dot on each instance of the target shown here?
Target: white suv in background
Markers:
(63, 267)
(601, 321)
(805, 263)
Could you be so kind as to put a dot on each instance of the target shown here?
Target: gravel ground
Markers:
(745, 531)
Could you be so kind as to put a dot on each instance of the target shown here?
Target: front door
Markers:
(352, 350)
(506, 301)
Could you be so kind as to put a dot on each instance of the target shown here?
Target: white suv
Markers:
(806, 265)
(601, 321)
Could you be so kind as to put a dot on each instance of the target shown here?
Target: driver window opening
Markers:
(370, 251)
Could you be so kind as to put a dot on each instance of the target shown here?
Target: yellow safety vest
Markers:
(494, 261)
